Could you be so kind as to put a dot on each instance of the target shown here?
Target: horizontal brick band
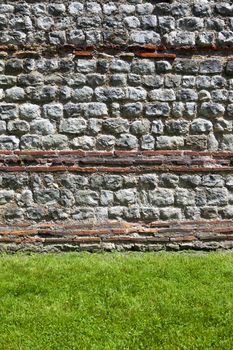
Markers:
(119, 233)
(146, 51)
(116, 161)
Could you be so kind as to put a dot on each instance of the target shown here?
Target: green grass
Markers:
(116, 302)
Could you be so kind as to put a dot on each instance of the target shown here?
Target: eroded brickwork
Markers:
(116, 125)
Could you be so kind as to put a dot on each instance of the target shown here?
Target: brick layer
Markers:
(113, 235)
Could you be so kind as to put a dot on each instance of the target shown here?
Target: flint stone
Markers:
(132, 110)
(6, 196)
(87, 197)
(73, 126)
(160, 109)
(201, 126)
(105, 142)
(161, 197)
(147, 142)
(9, 142)
(8, 111)
(162, 95)
(140, 127)
(30, 142)
(126, 196)
(116, 125)
(144, 37)
(42, 127)
(18, 126)
(84, 142)
(169, 142)
(15, 94)
(127, 141)
(185, 197)
(212, 110)
(54, 141)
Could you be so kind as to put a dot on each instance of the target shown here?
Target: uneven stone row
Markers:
(149, 197)
(112, 103)
(81, 23)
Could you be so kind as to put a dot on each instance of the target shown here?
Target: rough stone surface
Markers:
(119, 80)
(186, 99)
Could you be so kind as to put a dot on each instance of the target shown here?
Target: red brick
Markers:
(156, 55)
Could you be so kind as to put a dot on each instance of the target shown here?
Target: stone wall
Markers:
(116, 125)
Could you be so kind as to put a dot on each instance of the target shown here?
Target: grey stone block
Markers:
(73, 126)
(212, 110)
(116, 125)
(18, 127)
(84, 142)
(42, 127)
(169, 142)
(201, 126)
(160, 109)
(127, 141)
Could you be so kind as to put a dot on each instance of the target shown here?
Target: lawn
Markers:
(116, 301)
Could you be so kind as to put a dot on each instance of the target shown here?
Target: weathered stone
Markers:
(94, 126)
(54, 141)
(140, 127)
(86, 198)
(149, 213)
(42, 127)
(190, 23)
(160, 109)
(9, 142)
(6, 196)
(116, 125)
(120, 66)
(185, 197)
(186, 66)
(169, 142)
(53, 111)
(127, 141)
(212, 180)
(212, 110)
(105, 141)
(15, 94)
(113, 182)
(197, 142)
(210, 67)
(187, 95)
(95, 109)
(132, 109)
(162, 95)
(188, 81)
(83, 95)
(73, 126)
(136, 94)
(166, 24)
(84, 142)
(177, 127)
(180, 39)
(18, 127)
(217, 196)
(30, 142)
(144, 37)
(126, 197)
(227, 142)
(161, 197)
(147, 142)
(201, 126)
(8, 111)
(143, 67)
(169, 180)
